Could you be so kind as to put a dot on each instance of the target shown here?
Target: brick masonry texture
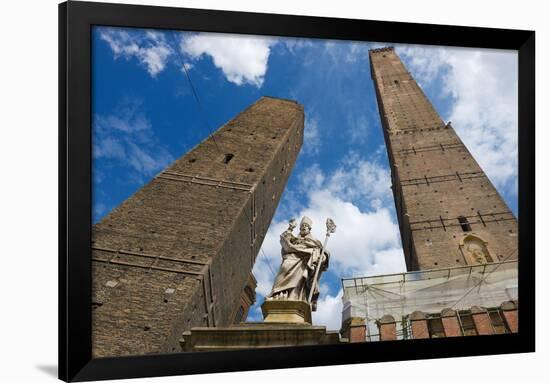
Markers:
(510, 313)
(419, 325)
(354, 330)
(482, 321)
(387, 328)
(450, 323)
(435, 179)
(179, 252)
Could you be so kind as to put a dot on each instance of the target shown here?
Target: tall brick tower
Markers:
(449, 212)
(179, 252)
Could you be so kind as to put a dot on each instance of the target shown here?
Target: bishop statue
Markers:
(304, 260)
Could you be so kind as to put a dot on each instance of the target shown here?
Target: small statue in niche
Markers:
(477, 250)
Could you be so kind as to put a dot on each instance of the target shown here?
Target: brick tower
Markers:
(179, 252)
(449, 212)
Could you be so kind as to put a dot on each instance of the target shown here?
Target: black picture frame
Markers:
(75, 23)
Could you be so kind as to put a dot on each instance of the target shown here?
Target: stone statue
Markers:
(299, 271)
(479, 256)
(476, 250)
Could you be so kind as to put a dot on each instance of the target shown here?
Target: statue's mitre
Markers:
(307, 220)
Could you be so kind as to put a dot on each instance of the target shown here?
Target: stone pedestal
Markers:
(286, 323)
(256, 335)
(286, 311)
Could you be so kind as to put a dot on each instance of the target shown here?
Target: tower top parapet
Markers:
(383, 49)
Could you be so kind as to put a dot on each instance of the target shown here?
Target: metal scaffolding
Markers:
(428, 291)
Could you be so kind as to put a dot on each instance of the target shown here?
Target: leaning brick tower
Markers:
(449, 212)
(179, 252)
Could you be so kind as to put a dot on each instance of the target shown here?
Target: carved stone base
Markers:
(286, 311)
(256, 335)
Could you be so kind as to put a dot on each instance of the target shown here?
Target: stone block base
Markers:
(256, 335)
(286, 311)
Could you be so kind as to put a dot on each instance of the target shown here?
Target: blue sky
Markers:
(145, 117)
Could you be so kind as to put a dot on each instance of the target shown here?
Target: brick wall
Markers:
(247, 299)
(510, 314)
(435, 179)
(387, 328)
(452, 323)
(354, 330)
(179, 252)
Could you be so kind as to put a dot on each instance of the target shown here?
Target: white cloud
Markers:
(186, 67)
(243, 59)
(366, 241)
(483, 86)
(311, 136)
(311, 179)
(146, 161)
(485, 110)
(126, 121)
(362, 181)
(351, 52)
(151, 48)
(425, 63)
(359, 51)
(110, 148)
(357, 127)
(296, 44)
(329, 311)
(360, 235)
(127, 138)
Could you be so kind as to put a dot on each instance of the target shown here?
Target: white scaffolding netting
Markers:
(429, 291)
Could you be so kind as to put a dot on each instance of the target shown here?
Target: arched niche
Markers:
(475, 250)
